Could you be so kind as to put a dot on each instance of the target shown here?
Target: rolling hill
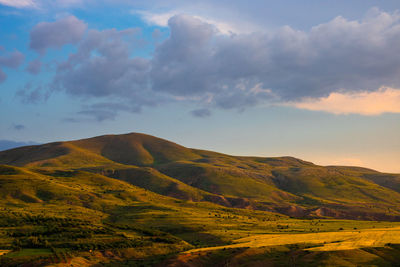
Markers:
(140, 200)
(286, 185)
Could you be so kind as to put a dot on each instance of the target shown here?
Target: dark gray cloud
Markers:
(201, 113)
(68, 30)
(10, 60)
(34, 67)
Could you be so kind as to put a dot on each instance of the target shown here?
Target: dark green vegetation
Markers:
(136, 199)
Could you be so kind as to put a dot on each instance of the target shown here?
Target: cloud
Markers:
(159, 19)
(31, 94)
(102, 111)
(194, 63)
(162, 19)
(103, 66)
(100, 114)
(42, 4)
(34, 67)
(343, 55)
(201, 113)
(18, 127)
(340, 60)
(156, 34)
(3, 76)
(385, 100)
(68, 30)
(183, 61)
(10, 60)
(19, 3)
(107, 110)
(103, 69)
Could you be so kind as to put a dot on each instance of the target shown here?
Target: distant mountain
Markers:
(281, 184)
(8, 144)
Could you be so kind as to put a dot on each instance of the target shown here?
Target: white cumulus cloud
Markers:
(162, 18)
(19, 3)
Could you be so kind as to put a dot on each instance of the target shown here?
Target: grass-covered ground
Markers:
(136, 200)
(142, 227)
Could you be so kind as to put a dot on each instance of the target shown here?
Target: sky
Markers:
(317, 80)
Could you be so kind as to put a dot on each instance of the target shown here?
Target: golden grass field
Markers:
(2, 252)
(328, 241)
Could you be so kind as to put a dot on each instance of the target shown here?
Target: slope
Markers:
(281, 184)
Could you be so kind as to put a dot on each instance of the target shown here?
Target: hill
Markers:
(282, 184)
(135, 199)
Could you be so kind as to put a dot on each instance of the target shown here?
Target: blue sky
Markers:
(318, 80)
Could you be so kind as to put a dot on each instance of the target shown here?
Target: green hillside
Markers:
(135, 199)
(286, 185)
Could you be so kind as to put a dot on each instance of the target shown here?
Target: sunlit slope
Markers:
(310, 252)
(47, 211)
(330, 241)
(334, 185)
(387, 180)
(60, 154)
(282, 184)
(75, 188)
(136, 149)
(42, 193)
(131, 149)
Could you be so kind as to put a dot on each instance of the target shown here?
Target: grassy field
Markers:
(326, 241)
(29, 252)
